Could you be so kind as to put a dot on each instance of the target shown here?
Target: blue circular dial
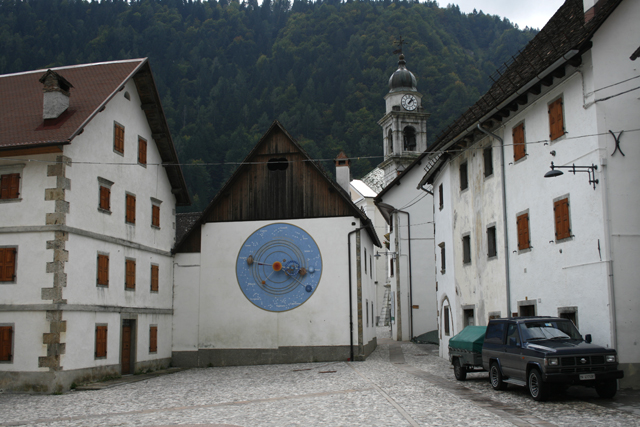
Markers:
(279, 267)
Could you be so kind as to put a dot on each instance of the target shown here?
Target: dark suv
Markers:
(546, 352)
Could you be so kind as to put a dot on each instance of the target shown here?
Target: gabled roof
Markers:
(562, 40)
(22, 125)
(276, 181)
(363, 189)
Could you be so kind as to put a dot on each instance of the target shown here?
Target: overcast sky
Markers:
(532, 13)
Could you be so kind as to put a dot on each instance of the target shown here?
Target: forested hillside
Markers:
(225, 70)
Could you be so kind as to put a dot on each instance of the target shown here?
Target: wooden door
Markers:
(126, 348)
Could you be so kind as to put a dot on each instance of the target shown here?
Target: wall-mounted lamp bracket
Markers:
(591, 170)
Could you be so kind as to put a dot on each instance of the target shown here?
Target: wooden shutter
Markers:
(103, 270)
(519, 148)
(561, 213)
(101, 341)
(142, 151)
(155, 215)
(7, 264)
(6, 334)
(9, 186)
(523, 232)
(131, 209)
(155, 270)
(556, 120)
(130, 280)
(105, 198)
(153, 339)
(118, 138)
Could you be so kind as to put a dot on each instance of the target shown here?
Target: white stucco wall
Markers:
(28, 327)
(419, 204)
(227, 319)
(186, 301)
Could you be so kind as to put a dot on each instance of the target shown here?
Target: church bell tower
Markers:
(404, 125)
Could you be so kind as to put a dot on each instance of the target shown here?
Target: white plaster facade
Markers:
(55, 304)
(212, 313)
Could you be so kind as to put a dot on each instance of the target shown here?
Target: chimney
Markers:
(56, 95)
(343, 172)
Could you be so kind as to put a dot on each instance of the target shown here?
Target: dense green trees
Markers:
(226, 70)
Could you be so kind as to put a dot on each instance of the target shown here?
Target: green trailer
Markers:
(465, 351)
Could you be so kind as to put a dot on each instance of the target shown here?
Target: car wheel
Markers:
(537, 388)
(495, 376)
(459, 370)
(607, 389)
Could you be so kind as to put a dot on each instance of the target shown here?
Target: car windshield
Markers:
(561, 329)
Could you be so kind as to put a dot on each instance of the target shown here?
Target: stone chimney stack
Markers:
(343, 171)
(56, 95)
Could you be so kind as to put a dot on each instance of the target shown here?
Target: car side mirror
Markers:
(587, 338)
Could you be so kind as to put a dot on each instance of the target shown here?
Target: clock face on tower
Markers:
(279, 267)
(409, 102)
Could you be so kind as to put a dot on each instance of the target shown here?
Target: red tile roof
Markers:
(21, 122)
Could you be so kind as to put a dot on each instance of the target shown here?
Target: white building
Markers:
(277, 269)
(510, 242)
(87, 225)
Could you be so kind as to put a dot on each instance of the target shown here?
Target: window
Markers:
(524, 241)
(527, 310)
(464, 177)
(8, 264)
(409, 135)
(142, 151)
(513, 337)
(443, 264)
(118, 138)
(391, 272)
(492, 249)
(556, 120)
(9, 186)
(365, 261)
(441, 196)
(130, 274)
(561, 213)
(155, 273)
(153, 339)
(487, 154)
(519, 146)
(6, 343)
(370, 267)
(468, 317)
(101, 341)
(446, 321)
(104, 203)
(389, 142)
(366, 303)
(103, 270)
(495, 333)
(466, 249)
(131, 209)
(155, 216)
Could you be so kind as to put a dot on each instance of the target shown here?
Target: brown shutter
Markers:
(155, 215)
(131, 209)
(103, 270)
(155, 270)
(101, 341)
(7, 264)
(519, 149)
(118, 138)
(153, 339)
(523, 232)
(561, 213)
(142, 151)
(9, 186)
(130, 280)
(105, 198)
(6, 333)
(556, 120)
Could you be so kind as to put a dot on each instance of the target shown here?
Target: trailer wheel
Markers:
(459, 370)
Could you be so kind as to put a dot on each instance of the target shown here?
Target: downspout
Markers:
(350, 296)
(504, 216)
(604, 179)
(410, 272)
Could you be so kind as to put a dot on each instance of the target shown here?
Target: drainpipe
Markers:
(410, 273)
(350, 297)
(504, 215)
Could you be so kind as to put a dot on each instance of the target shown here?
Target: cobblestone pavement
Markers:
(398, 385)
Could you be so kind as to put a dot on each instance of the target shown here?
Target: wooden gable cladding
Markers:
(277, 181)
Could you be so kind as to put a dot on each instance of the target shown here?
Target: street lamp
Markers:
(378, 254)
(591, 170)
